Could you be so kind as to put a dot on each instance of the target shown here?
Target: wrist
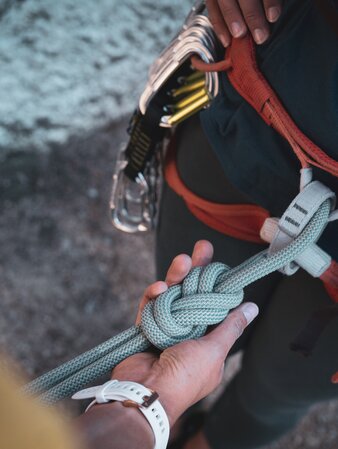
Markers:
(166, 397)
(103, 422)
(155, 382)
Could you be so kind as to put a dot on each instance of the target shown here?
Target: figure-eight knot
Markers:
(185, 311)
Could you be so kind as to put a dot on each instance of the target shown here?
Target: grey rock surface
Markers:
(68, 67)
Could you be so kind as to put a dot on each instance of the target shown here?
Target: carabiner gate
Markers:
(135, 180)
(129, 202)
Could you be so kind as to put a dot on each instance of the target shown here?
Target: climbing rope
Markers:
(183, 312)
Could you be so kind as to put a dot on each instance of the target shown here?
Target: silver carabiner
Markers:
(195, 37)
(133, 202)
(129, 202)
(198, 8)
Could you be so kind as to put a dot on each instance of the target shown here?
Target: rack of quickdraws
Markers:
(174, 92)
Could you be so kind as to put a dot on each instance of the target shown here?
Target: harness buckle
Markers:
(281, 232)
(130, 203)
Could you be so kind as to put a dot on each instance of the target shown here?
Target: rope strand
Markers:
(183, 312)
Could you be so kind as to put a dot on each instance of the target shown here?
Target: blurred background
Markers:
(71, 73)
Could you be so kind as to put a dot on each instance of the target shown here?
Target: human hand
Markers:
(233, 18)
(188, 371)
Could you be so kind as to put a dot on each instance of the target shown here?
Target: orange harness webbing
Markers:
(241, 221)
(250, 83)
(244, 221)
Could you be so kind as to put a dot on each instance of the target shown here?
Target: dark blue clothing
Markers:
(300, 61)
(252, 162)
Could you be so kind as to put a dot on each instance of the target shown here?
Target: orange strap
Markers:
(330, 280)
(241, 221)
(250, 83)
(243, 72)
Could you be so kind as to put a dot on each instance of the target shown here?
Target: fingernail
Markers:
(273, 13)
(259, 36)
(250, 311)
(236, 29)
(225, 41)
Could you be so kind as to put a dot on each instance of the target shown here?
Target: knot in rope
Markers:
(182, 312)
(185, 311)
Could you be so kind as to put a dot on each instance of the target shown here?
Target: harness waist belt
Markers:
(241, 221)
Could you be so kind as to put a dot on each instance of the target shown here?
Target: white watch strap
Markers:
(133, 394)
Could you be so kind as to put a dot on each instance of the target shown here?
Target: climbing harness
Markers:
(188, 66)
(249, 222)
(207, 294)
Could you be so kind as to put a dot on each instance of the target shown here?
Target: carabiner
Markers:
(197, 38)
(129, 202)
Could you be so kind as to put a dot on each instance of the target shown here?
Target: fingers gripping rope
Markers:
(183, 312)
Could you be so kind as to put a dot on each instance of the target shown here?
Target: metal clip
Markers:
(129, 202)
(196, 37)
(133, 201)
(197, 8)
(198, 103)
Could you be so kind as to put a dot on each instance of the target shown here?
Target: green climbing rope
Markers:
(183, 312)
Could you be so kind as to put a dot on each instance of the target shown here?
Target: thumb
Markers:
(222, 338)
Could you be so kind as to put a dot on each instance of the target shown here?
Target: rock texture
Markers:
(68, 67)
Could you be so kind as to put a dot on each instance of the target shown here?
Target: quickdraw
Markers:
(174, 92)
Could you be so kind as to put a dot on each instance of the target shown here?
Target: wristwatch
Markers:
(132, 394)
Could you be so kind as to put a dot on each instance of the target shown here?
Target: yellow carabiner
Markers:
(190, 99)
(194, 76)
(171, 120)
(188, 88)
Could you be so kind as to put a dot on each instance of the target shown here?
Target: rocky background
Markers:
(69, 67)
(70, 74)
